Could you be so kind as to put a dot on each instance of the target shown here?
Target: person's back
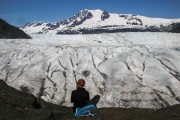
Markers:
(80, 97)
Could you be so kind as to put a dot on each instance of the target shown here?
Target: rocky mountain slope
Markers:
(11, 32)
(98, 21)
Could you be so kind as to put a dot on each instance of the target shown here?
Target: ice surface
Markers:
(125, 69)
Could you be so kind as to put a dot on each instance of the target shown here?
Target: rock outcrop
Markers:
(175, 28)
(104, 15)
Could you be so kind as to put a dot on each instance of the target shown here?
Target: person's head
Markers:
(80, 83)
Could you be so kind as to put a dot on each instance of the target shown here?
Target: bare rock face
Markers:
(175, 27)
(105, 15)
(77, 19)
(80, 18)
(10, 32)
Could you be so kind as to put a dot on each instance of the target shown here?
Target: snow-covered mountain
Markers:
(98, 21)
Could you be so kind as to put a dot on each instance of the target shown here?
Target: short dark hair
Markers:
(81, 83)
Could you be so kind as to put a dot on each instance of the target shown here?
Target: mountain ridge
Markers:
(98, 21)
(8, 31)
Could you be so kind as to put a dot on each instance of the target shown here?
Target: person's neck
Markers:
(80, 87)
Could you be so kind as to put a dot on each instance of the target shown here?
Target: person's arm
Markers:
(72, 97)
(88, 96)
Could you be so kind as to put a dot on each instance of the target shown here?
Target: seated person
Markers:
(80, 97)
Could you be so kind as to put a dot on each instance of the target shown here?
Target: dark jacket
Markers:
(80, 98)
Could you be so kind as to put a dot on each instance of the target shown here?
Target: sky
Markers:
(19, 12)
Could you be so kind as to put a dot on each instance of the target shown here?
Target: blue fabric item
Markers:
(86, 111)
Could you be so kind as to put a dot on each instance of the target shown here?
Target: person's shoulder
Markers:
(74, 90)
(86, 91)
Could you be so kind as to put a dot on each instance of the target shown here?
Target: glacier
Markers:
(136, 69)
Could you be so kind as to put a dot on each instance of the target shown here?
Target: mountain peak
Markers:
(99, 21)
